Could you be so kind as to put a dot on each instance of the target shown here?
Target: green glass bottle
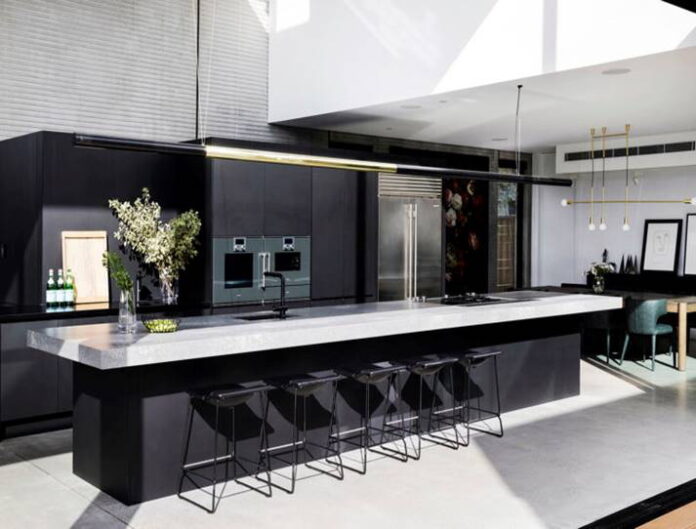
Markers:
(69, 288)
(60, 289)
(50, 291)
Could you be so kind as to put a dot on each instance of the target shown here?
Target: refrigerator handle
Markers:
(415, 250)
(409, 252)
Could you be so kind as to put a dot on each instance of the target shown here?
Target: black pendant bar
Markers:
(191, 149)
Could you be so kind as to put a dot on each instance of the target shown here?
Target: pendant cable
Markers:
(602, 224)
(518, 141)
(591, 225)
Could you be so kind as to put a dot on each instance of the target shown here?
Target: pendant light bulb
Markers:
(592, 226)
(626, 226)
(564, 202)
(602, 226)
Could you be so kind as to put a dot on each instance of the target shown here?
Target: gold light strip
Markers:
(252, 155)
(625, 221)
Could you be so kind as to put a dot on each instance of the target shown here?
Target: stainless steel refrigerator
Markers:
(410, 237)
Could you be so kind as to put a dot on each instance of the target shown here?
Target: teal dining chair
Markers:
(642, 320)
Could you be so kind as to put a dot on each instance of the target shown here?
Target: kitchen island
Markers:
(131, 392)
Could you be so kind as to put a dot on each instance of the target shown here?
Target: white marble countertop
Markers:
(102, 347)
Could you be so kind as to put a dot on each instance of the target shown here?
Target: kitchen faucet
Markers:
(282, 308)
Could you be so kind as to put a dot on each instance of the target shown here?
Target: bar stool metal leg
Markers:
(440, 438)
(387, 427)
(216, 459)
(497, 413)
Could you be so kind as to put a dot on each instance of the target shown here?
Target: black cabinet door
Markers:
(329, 190)
(236, 198)
(28, 378)
(344, 234)
(287, 200)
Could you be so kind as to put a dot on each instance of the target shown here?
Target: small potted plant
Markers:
(126, 307)
(597, 272)
(166, 247)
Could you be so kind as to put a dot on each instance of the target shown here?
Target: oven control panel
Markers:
(288, 244)
(239, 244)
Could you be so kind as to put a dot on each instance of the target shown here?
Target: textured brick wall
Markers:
(127, 68)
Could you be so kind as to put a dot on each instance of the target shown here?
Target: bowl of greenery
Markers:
(158, 325)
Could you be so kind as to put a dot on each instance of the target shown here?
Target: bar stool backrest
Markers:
(642, 315)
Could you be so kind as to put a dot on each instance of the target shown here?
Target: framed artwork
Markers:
(661, 240)
(690, 245)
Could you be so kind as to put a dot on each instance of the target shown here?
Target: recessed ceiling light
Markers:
(498, 139)
(410, 106)
(616, 71)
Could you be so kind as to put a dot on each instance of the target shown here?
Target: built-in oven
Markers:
(239, 264)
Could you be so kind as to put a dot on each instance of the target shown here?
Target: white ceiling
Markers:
(658, 95)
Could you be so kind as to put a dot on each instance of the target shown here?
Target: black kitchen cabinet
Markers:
(28, 378)
(34, 384)
(236, 198)
(254, 199)
(344, 243)
(287, 200)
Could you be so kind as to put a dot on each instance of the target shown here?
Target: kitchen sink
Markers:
(262, 316)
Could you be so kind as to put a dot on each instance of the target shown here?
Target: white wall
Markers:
(562, 246)
(553, 229)
(333, 55)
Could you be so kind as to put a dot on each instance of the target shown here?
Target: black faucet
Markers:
(282, 308)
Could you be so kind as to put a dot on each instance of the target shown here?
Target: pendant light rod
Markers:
(518, 147)
(690, 201)
(309, 160)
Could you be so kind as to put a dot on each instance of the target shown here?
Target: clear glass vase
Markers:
(170, 291)
(126, 312)
(598, 284)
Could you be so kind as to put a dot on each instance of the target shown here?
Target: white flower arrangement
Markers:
(165, 246)
(600, 269)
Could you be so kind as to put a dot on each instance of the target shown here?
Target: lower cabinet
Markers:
(28, 378)
(33, 383)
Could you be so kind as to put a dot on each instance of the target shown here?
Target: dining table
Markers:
(682, 306)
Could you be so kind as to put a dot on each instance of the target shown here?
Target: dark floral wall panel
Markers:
(465, 206)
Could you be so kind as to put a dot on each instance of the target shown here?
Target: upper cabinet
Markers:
(250, 198)
(287, 201)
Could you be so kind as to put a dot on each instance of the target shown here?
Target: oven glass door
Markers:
(287, 261)
(237, 274)
(239, 270)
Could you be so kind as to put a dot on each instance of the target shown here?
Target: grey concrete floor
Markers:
(628, 436)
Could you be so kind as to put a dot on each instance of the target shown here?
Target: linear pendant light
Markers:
(307, 160)
(691, 201)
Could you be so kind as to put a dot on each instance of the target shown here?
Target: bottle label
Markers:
(69, 295)
(60, 295)
(50, 297)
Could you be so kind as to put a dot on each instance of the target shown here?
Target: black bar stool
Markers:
(426, 366)
(371, 375)
(225, 399)
(302, 387)
(473, 360)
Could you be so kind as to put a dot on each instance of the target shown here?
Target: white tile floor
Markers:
(559, 465)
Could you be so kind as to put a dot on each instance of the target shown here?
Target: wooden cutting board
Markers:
(82, 253)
